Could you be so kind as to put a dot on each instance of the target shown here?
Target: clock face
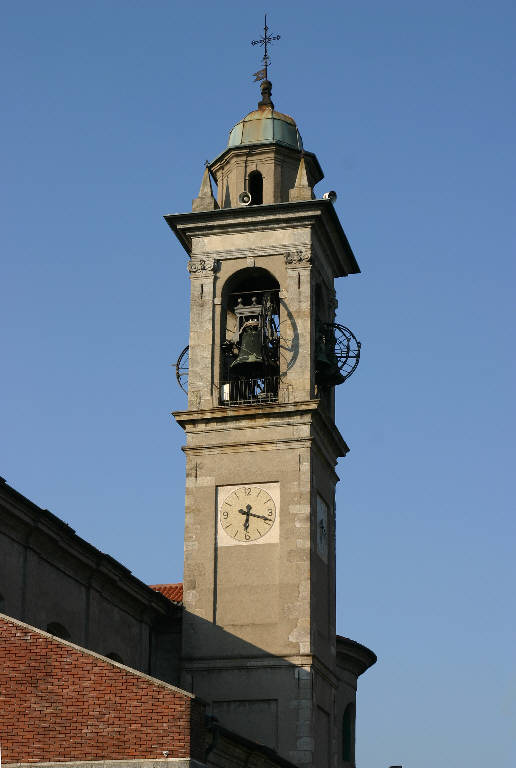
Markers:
(248, 513)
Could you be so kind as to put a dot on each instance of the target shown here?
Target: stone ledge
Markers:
(244, 411)
(169, 762)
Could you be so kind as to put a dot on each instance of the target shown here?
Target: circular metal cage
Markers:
(346, 348)
(181, 367)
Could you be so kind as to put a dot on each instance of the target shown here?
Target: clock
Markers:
(247, 513)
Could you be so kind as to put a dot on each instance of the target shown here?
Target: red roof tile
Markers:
(174, 592)
(68, 704)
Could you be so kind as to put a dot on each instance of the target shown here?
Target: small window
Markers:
(348, 734)
(2, 603)
(54, 628)
(256, 187)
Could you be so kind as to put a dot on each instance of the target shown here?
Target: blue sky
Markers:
(110, 109)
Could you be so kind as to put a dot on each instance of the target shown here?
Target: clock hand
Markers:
(262, 517)
(246, 513)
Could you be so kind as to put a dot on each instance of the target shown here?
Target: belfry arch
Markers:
(249, 359)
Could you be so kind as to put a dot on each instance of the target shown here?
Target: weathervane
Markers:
(265, 40)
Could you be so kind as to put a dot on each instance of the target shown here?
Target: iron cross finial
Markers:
(265, 41)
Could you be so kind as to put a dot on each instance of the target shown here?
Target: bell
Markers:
(322, 363)
(249, 362)
(330, 377)
(327, 371)
(327, 368)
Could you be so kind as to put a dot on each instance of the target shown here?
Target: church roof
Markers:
(174, 592)
(22, 515)
(64, 703)
(67, 704)
(265, 125)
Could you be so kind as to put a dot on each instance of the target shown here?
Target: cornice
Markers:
(319, 214)
(248, 447)
(270, 148)
(353, 656)
(236, 413)
(340, 446)
(224, 419)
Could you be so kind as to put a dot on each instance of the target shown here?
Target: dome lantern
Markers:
(264, 162)
(268, 143)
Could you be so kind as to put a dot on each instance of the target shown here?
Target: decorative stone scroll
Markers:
(201, 267)
(298, 258)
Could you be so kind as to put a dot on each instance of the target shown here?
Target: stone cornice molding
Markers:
(248, 447)
(354, 657)
(203, 422)
(319, 215)
(221, 413)
(271, 249)
(264, 149)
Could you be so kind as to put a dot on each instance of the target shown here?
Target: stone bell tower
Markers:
(259, 634)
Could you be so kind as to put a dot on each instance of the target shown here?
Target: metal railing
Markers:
(249, 391)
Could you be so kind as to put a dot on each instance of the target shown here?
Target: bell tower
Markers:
(265, 356)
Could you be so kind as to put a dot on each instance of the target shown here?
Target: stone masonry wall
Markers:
(60, 702)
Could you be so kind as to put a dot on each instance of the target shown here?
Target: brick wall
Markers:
(60, 702)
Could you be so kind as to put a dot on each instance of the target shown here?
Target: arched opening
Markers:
(255, 185)
(115, 657)
(250, 338)
(59, 630)
(348, 734)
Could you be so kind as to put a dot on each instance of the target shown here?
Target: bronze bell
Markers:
(249, 362)
(321, 361)
(330, 377)
(326, 364)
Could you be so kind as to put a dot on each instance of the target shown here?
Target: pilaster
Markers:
(202, 276)
(298, 264)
